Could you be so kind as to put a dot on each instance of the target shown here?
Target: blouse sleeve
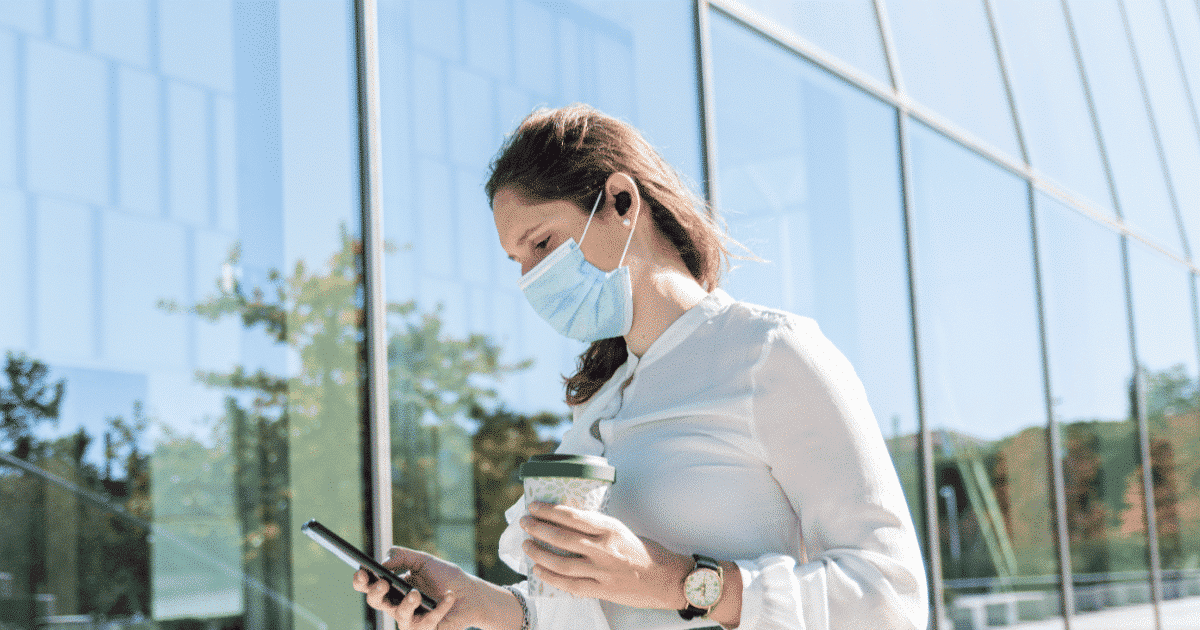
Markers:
(861, 564)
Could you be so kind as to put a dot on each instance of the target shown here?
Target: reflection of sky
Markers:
(1087, 333)
(456, 78)
(809, 183)
(137, 196)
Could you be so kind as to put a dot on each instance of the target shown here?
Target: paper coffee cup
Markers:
(579, 481)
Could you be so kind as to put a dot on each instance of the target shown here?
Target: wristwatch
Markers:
(702, 587)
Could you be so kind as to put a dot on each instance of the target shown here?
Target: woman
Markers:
(751, 473)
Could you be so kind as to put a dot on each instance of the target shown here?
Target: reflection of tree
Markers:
(436, 381)
(27, 401)
(503, 442)
(1106, 519)
(62, 538)
(1173, 417)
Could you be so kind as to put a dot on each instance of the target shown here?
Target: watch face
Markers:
(702, 588)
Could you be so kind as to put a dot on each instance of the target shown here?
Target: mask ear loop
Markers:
(590, 216)
(628, 241)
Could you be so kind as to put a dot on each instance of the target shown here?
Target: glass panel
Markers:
(848, 29)
(1050, 98)
(820, 202)
(1087, 337)
(180, 332)
(949, 65)
(1164, 325)
(981, 370)
(455, 80)
(1184, 18)
(1124, 124)
(1172, 108)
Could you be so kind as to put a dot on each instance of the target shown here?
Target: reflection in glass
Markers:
(810, 183)
(849, 29)
(181, 382)
(949, 65)
(475, 373)
(981, 371)
(1172, 107)
(1124, 123)
(1050, 98)
(1090, 375)
(1166, 345)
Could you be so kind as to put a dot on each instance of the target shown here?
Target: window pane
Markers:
(1087, 336)
(455, 79)
(1172, 108)
(1124, 124)
(1162, 309)
(179, 237)
(949, 65)
(981, 370)
(1050, 98)
(821, 203)
(849, 29)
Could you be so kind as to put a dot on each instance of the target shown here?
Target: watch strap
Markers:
(702, 562)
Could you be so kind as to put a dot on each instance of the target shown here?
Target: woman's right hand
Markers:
(441, 580)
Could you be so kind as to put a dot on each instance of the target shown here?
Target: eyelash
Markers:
(545, 242)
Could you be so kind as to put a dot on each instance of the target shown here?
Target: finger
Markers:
(362, 580)
(431, 619)
(406, 609)
(579, 586)
(582, 521)
(375, 594)
(565, 539)
(576, 567)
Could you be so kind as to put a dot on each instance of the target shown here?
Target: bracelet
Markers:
(526, 621)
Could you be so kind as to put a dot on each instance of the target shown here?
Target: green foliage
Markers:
(27, 401)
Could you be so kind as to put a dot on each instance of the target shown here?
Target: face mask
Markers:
(578, 299)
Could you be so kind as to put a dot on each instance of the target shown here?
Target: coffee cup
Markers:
(579, 481)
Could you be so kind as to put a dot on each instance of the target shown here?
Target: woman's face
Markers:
(529, 231)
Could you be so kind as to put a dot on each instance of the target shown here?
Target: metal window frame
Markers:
(375, 425)
(907, 108)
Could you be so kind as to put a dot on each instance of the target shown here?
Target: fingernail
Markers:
(537, 506)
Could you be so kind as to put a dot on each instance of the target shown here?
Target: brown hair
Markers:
(568, 154)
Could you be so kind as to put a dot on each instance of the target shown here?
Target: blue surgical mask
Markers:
(577, 298)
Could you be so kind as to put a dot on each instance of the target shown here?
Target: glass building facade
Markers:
(249, 277)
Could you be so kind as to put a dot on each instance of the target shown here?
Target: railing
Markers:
(979, 603)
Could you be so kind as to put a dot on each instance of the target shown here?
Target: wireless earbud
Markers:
(623, 202)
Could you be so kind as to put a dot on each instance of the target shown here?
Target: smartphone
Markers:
(354, 557)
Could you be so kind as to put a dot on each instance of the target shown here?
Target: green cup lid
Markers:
(567, 465)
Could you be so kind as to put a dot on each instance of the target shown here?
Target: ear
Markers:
(621, 193)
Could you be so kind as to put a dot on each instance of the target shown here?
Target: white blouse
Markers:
(744, 435)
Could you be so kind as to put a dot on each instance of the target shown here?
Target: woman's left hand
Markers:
(615, 564)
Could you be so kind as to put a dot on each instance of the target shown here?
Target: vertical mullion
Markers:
(708, 130)
(1053, 438)
(889, 46)
(1058, 501)
(1154, 131)
(1135, 404)
(1006, 79)
(927, 476)
(1156, 589)
(933, 553)
(377, 447)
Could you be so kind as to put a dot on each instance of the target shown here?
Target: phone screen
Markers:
(354, 557)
